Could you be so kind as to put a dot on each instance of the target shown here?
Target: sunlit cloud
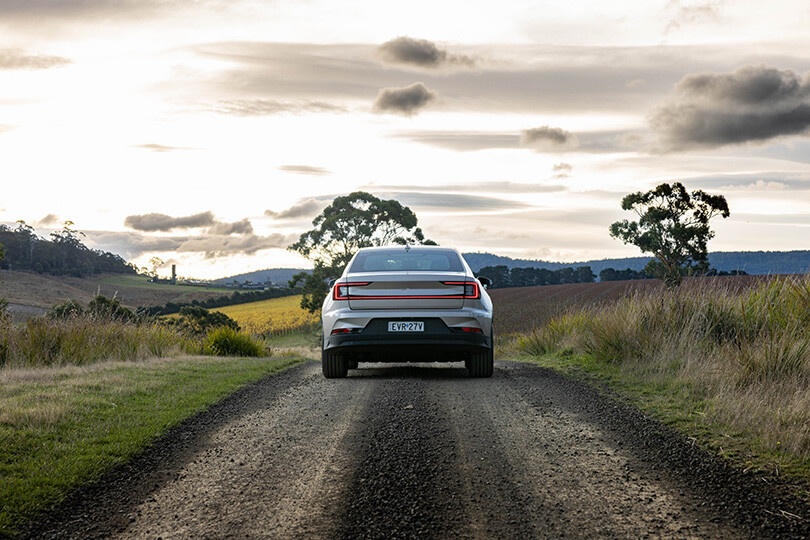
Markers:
(307, 208)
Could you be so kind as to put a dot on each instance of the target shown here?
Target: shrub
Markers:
(225, 341)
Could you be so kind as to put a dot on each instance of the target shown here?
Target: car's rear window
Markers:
(414, 259)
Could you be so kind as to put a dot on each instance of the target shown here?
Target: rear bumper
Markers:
(437, 342)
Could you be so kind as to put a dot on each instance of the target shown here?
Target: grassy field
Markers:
(44, 291)
(63, 427)
(727, 361)
(274, 316)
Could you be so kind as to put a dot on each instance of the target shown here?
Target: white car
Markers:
(407, 304)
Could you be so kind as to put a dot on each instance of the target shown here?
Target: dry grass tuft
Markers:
(745, 351)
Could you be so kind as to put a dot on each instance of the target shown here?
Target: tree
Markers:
(351, 222)
(673, 226)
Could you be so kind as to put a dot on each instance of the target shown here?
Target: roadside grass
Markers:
(273, 317)
(62, 427)
(727, 366)
(45, 341)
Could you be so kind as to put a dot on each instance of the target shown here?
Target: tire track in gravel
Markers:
(422, 451)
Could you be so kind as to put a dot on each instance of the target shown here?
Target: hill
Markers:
(752, 262)
(278, 276)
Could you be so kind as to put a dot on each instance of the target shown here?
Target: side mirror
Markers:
(485, 281)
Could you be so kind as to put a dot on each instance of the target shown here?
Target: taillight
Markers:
(337, 331)
(470, 288)
(341, 290)
(471, 330)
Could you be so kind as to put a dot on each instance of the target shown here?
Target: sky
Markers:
(209, 133)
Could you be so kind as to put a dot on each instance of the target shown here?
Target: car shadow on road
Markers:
(421, 370)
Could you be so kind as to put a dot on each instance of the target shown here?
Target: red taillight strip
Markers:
(476, 292)
(337, 295)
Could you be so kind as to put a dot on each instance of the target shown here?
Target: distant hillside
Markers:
(753, 262)
(278, 276)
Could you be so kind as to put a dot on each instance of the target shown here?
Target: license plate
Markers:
(406, 326)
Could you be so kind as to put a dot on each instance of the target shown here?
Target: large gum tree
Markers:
(351, 222)
(673, 226)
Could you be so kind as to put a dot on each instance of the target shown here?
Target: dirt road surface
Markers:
(423, 451)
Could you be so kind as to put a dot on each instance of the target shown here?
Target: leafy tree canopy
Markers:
(351, 222)
(673, 226)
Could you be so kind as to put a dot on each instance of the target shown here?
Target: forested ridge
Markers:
(63, 253)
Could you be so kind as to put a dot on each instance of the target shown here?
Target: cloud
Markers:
(242, 227)
(548, 139)
(160, 148)
(304, 169)
(405, 101)
(266, 107)
(49, 220)
(131, 244)
(306, 208)
(161, 222)
(479, 187)
(562, 170)
(14, 59)
(691, 14)
(463, 141)
(752, 104)
(421, 53)
(453, 201)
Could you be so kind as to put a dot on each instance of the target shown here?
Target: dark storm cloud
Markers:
(13, 59)
(161, 222)
(266, 107)
(750, 104)
(548, 139)
(304, 169)
(131, 244)
(421, 53)
(303, 209)
(405, 101)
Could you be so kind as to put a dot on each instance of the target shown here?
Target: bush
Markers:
(225, 341)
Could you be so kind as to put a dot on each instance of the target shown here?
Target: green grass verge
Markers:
(684, 408)
(64, 427)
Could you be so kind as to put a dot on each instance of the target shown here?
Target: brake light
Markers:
(341, 290)
(470, 288)
(345, 331)
(472, 330)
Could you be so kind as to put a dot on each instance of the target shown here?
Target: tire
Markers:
(481, 364)
(353, 364)
(335, 365)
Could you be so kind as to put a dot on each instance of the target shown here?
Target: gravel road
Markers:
(424, 451)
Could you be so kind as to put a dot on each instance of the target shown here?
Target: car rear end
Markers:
(407, 304)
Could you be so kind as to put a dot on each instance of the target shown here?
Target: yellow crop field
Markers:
(274, 316)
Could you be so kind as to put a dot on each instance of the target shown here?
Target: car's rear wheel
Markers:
(334, 364)
(352, 364)
(481, 364)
